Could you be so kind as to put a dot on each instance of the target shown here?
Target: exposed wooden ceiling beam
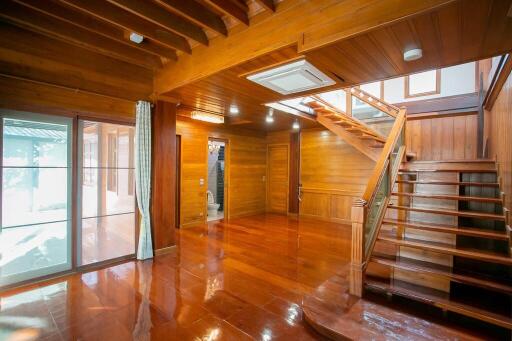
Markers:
(160, 16)
(39, 22)
(92, 24)
(268, 4)
(230, 9)
(197, 13)
(130, 22)
(280, 30)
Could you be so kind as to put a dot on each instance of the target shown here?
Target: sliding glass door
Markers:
(35, 230)
(106, 207)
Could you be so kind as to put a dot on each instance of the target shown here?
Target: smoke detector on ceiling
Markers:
(291, 78)
(413, 54)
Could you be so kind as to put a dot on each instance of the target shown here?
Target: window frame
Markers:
(437, 90)
(54, 270)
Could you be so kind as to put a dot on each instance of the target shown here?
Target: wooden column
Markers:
(163, 186)
(357, 251)
(293, 206)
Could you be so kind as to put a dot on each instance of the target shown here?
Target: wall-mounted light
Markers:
(234, 110)
(206, 117)
(413, 54)
(270, 116)
(296, 125)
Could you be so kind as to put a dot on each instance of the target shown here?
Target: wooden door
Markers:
(277, 190)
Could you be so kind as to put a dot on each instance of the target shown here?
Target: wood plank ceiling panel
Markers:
(443, 34)
(88, 22)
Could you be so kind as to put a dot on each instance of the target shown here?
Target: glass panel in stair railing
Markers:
(375, 208)
(376, 119)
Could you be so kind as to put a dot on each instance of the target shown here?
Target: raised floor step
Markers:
(461, 230)
(439, 299)
(455, 183)
(443, 271)
(448, 197)
(468, 214)
(448, 249)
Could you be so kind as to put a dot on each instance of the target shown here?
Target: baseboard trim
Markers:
(164, 250)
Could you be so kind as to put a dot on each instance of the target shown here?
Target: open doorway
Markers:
(215, 194)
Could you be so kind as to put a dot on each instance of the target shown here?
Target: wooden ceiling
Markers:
(449, 35)
(84, 44)
(197, 52)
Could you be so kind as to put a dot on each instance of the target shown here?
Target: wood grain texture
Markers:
(332, 174)
(278, 177)
(25, 95)
(499, 123)
(247, 169)
(443, 138)
(163, 187)
(32, 56)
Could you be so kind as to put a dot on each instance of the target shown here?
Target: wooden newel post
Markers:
(357, 261)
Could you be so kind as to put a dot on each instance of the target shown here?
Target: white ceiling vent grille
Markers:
(291, 78)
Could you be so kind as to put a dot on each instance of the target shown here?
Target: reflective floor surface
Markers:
(224, 281)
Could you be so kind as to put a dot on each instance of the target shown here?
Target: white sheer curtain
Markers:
(143, 176)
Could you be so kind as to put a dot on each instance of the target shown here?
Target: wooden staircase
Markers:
(445, 241)
(353, 131)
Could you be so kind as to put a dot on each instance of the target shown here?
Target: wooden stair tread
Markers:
(456, 183)
(450, 170)
(439, 299)
(486, 256)
(424, 267)
(448, 197)
(470, 166)
(466, 231)
(469, 214)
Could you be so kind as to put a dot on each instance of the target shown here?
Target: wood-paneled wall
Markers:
(23, 95)
(247, 167)
(445, 137)
(163, 198)
(332, 174)
(499, 121)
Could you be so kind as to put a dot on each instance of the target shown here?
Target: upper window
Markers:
(423, 84)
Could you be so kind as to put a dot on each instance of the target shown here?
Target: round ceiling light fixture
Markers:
(296, 125)
(413, 54)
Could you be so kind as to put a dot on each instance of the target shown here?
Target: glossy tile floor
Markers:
(224, 281)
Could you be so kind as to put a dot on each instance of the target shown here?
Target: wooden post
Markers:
(348, 102)
(357, 251)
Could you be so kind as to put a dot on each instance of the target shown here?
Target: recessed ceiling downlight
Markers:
(413, 54)
(291, 78)
(136, 38)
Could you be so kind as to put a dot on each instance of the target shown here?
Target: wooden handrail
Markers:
(361, 248)
(375, 102)
(386, 151)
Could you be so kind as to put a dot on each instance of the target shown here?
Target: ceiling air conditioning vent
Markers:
(291, 78)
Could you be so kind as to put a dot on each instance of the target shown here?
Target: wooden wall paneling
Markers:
(332, 174)
(247, 169)
(26, 95)
(500, 140)
(278, 157)
(443, 137)
(163, 187)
